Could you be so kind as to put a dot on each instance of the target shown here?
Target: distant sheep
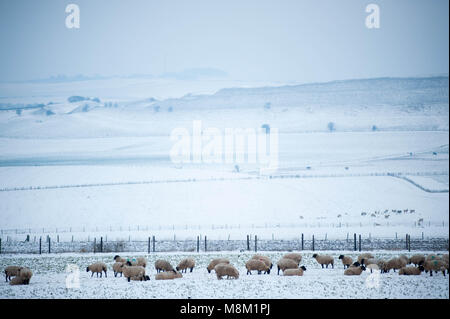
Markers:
(286, 263)
(216, 261)
(168, 275)
(185, 264)
(258, 265)
(324, 260)
(163, 265)
(346, 260)
(294, 256)
(294, 272)
(228, 270)
(97, 268)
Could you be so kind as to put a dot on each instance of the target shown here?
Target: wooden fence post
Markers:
(256, 243)
(313, 242)
(302, 242)
(409, 243)
(153, 243)
(0, 245)
(40, 245)
(248, 242)
(406, 241)
(49, 244)
(148, 248)
(101, 244)
(206, 247)
(198, 243)
(354, 241)
(359, 242)
(95, 242)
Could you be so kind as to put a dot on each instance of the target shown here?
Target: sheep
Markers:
(294, 256)
(416, 259)
(433, 257)
(256, 264)
(23, 277)
(411, 271)
(119, 259)
(133, 272)
(117, 268)
(324, 260)
(224, 269)
(372, 267)
(354, 271)
(382, 265)
(346, 260)
(286, 263)
(97, 268)
(11, 271)
(265, 259)
(394, 263)
(216, 261)
(435, 265)
(163, 265)
(404, 259)
(364, 256)
(294, 272)
(168, 275)
(141, 261)
(185, 264)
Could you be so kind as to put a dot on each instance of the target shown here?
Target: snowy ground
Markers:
(49, 280)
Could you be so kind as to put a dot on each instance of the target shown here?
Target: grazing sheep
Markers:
(133, 272)
(168, 275)
(435, 265)
(97, 268)
(286, 263)
(163, 265)
(324, 260)
(185, 264)
(294, 272)
(408, 271)
(294, 256)
(346, 260)
(404, 259)
(365, 256)
(416, 259)
(265, 259)
(256, 264)
(23, 277)
(382, 265)
(354, 271)
(228, 270)
(117, 268)
(119, 259)
(216, 261)
(433, 257)
(395, 263)
(11, 271)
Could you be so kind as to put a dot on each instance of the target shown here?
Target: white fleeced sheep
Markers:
(228, 270)
(411, 271)
(258, 265)
(216, 261)
(286, 263)
(354, 271)
(163, 265)
(265, 259)
(394, 263)
(294, 256)
(294, 272)
(133, 272)
(416, 259)
(185, 264)
(168, 275)
(97, 268)
(324, 260)
(117, 268)
(365, 256)
(435, 265)
(346, 260)
(11, 271)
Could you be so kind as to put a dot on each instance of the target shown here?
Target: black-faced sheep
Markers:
(411, 271)
(286, 263)
(228, 270)
(258, 265)
(97, 268)
(185, 264)
(364, 256)
(168, 275)
(163, 265)
(117, 268)
(324, 260)
(133, 272)
(346, 260)
(119, 259)
(216, 261)
(294, 256)
(23, 277)
(435, 265)
(354, 271)
(294, 272)
(265, 259)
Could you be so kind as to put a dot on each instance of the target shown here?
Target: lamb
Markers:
(97, 268)
(185, 264)
(408, 271)
(324, 260)
(364, 256)
(133, 272)
(168, 275)
(256, 264)
(436, 265)
(286, 263)
(119, 259)
(216, 261)
(223, 269)
(265, 259)
(416, 259)
(346, 260)
(354, 271)
(23, 277)
(163, 265)
(11, 271)
(294, 256)
(294, 272)
(117, 268)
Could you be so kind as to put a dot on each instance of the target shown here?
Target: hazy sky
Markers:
(303, 41)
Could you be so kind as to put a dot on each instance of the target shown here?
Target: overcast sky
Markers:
(302, 41)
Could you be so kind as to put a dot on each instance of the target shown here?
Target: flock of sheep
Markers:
(289, 264)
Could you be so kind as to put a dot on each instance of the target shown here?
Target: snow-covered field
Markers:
(49, 280)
